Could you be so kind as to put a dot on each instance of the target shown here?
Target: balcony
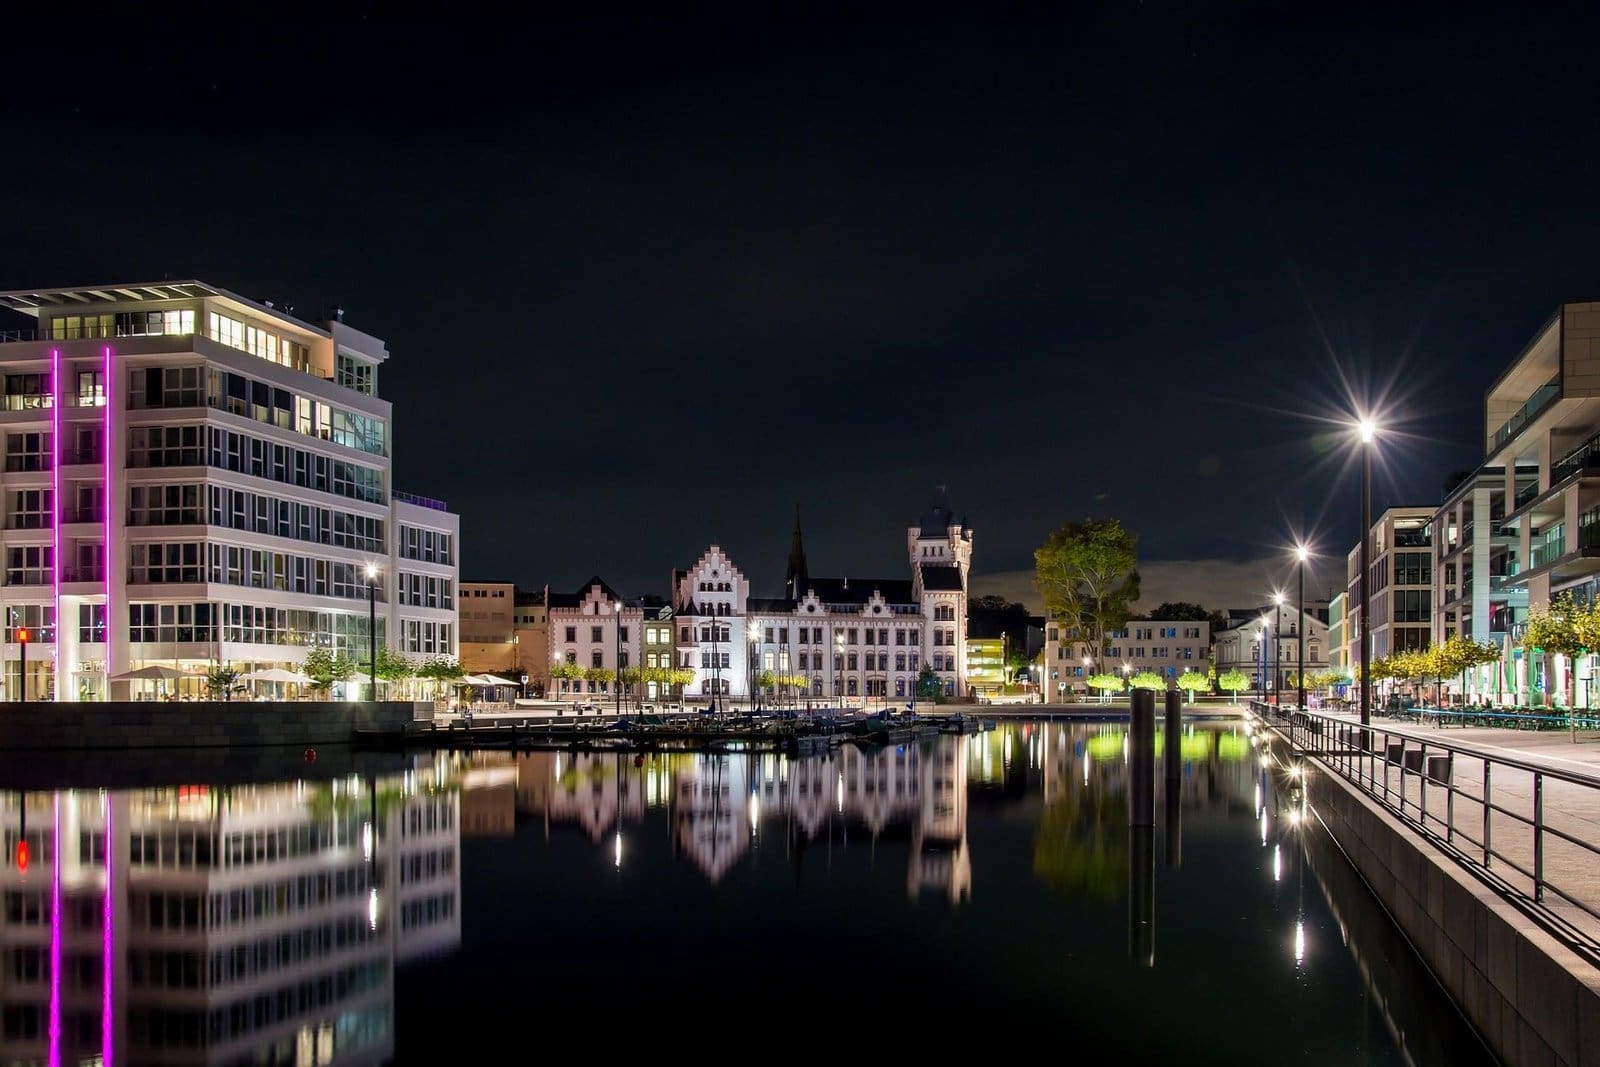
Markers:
(1526, 495)
(1532, 408)
(82, 515)
(82, 456)
(83, 574)
(1585, 459)
(420, 501)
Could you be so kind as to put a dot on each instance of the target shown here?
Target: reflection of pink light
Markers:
(55, 500)
(105, 563)
(55, 939)
(107, 962)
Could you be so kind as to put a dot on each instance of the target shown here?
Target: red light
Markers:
(22, 635)
(22, 856)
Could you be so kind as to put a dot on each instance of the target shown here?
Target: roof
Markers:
(572, 600)
(941, 579)
(860, 590)
(770, 605)
(33, 301)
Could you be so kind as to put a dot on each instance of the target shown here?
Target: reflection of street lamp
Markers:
(1127, 678)
(372, 628)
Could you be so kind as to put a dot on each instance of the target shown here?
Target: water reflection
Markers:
(190, 924)
(284, 922)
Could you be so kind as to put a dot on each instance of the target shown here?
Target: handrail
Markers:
(1401, 769)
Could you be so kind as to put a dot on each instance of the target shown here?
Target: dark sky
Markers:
(648, 283)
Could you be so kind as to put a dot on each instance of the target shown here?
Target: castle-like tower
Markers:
(939, 539)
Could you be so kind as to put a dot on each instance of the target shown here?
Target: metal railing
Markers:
(1493, 813)
(1532, 408)
(421, 501)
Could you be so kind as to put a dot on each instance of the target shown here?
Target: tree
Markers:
(1194, 682)
(1559, 630)
(1148, 680)
(1180, 611)
(394, 666)
(1106, 683)
(325, 667)
(1235, 681)
(1087, 573)
(766, 680)
(440, 669)
(222, 682)
(928, 685)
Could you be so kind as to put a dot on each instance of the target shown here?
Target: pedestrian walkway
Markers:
(1538, 833)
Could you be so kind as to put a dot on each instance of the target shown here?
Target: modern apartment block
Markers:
(1400, 589)
(1338, 643)
(193, 478)
(1542, 431)
(1475, 554)
(1166, 646)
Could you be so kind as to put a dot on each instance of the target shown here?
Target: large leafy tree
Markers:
(1088, 575)
(1564, 628)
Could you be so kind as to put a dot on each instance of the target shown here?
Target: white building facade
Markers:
(1266, 649)
(1167, 647)
(853, 640)
(194, 478)
(595, 631)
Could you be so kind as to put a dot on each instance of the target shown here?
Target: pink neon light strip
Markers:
(55, 506)
(107, 960)
(107, 502)
(55, 938)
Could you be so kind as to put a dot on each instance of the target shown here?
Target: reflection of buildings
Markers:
(191, 925)
(718, 803)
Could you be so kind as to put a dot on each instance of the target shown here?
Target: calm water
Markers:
(962, 892)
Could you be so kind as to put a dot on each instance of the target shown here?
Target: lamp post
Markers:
(750, 663)
(1261, 662)
(616, 684)
(1366, 430)
(838, 659)
(1277, 648)
(372, 629)
(1302, 555)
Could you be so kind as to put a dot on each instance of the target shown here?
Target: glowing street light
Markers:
(1302, 556)
(1367, 431)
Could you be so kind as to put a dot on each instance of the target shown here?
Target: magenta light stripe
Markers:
(55, 938)
(55, 507)
(105, 550)
(107, 942)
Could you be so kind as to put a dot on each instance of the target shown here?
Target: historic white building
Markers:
(851, 638)
(592, 629)
(194, 478)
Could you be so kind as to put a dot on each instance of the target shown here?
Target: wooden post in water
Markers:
(1174, 738)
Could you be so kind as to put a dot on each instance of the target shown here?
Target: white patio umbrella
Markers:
(156, 673)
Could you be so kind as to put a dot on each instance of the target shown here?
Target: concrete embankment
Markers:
(216, 724)
(1533, 995)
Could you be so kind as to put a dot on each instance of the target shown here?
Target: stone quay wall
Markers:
(209, 724)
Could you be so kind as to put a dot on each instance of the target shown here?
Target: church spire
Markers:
(795, 579)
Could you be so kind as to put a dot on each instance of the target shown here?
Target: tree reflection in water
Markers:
(1081, 848)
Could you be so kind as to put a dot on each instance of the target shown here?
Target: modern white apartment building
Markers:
(1542, 432)
(1167, 647)
(196, 478)
(851, 638)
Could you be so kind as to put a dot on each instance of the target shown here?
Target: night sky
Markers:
(650, 283)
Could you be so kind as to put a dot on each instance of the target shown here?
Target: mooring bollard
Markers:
(1174, 740)
(1142, 758)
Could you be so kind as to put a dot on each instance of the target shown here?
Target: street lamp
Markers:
(1302, 555)
(372, 629)
(1088, 661)
(1277, 651)
(1366, 431)
(616, 681)
(750, 663)
(838, 659)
